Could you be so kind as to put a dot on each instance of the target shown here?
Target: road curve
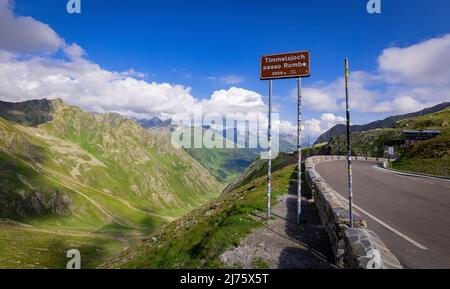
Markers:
(410, 214)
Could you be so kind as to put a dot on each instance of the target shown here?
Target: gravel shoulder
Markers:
(282, 244)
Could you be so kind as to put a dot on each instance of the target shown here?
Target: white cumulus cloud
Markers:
(427, 62)
(407, 79)
(19, 34)
(315, 127)
(235, 100)
(81, 82)
(232, 79)
(319, 99)
(86, 84)
(401, 104)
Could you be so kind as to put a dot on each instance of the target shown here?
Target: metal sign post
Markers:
(299, 150)
(278, 66)
(269, 133)
(349, 148)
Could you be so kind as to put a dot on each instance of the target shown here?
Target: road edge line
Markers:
(409, 174)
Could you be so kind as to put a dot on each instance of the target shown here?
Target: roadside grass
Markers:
(259, 263)
(431, 156)
(437, 166)
(198, 239)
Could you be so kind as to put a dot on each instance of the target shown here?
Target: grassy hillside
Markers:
(33, 248)
(368, 143)
(199, 238)
(77, 174)
(386, 123)
(430, 156)
(224, 163)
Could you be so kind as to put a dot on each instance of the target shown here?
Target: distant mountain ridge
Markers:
(224, 163)
(153, 122)
(32, 112)
(389, 122)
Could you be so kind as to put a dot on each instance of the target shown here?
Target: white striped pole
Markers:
(269, 133)
(349, 147)
(299, 150)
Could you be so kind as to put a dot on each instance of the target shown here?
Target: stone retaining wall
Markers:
(357, 247)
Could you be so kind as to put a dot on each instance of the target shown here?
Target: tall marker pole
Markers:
(349, 148)
(299, 150)
(269, 133)
(283, 69)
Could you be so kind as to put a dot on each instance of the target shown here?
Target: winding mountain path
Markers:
(109, 216)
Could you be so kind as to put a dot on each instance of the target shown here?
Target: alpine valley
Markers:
(70, 179)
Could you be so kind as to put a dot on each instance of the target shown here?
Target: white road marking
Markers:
(415, 243)
(398, 233)
(411, 175)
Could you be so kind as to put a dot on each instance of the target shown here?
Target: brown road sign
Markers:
(286, 65)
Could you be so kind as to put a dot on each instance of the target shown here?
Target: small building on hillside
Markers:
(414, 136)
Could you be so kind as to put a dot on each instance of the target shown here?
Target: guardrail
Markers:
(356, 247)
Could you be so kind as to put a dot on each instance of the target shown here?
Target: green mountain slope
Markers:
(367, 143)
(430, 156)
(199, 238)
(224, 163)
(228, 164)
(389, 122)
(75, 174)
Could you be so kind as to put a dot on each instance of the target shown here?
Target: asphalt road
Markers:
(410, 214)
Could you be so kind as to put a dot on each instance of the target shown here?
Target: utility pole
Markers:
(349, 147)
(269, 133)
(299, 149)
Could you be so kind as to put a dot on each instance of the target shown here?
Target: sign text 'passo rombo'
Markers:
(286, 65)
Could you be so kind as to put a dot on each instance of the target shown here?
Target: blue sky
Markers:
(202, 44)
